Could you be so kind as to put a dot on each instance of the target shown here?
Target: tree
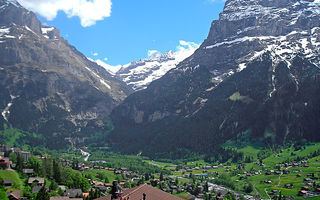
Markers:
(248, 188)
(54, 185)
(161, 176)
(56, 171)
(43, 194)
(19, 164)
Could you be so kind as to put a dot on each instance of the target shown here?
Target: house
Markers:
(72, 193)
(85, 195)
(101, 188)
(62, 187)
(144, 191)
(36, 189)
(28, 171)
(8, 183)
(302, 192)
(64, 198)
(4, 163)
(25, 155)
(14, 195)
(37, 181)
(4, 148)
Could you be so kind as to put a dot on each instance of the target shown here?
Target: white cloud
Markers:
(89, 11)
(106, 59)
(95, 54)
(153, 54)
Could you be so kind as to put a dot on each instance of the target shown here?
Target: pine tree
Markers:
(56, 171)
(43, 194)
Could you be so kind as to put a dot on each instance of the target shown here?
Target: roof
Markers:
(63, 198)
(16, 194)
(73, 193)
(34, 179)
(36, 189)
(28, 171)
(152, 193)
(7, 182)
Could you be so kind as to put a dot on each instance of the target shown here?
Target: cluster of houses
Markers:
(5, 162)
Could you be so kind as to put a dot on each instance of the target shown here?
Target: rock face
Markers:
(46, 85)
(256, 76)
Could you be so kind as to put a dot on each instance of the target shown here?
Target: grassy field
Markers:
(14, 176)
(275, 157)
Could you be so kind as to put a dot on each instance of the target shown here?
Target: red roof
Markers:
(151, 194)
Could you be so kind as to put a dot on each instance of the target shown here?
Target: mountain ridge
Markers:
(183, 104)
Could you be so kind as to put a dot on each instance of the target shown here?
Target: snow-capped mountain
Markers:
(257, 75)
(139, 74)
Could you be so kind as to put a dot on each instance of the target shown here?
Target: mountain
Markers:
(46, 85)
(139, 74)
(254, 79)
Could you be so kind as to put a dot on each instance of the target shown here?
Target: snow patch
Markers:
(101, 79)
(46, 30)
(6, 112)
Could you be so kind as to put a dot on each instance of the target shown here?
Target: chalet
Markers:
(14, 195)
(25, 155)
(62, 188)
(288, 186)
(108, 184)
(4, 148)
(4, 163)
(305, 188)
(101, 188)
(144, 192)
(72, 193)
(97, 183)
(8, 183)
(36, 189)
(85, 195)
(36, 181)
(64, 198)
(28, 171)
(302, 192)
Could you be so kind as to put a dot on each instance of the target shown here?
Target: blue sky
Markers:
(136, 26)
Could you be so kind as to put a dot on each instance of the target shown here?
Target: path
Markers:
(256, 191)
(265, 190)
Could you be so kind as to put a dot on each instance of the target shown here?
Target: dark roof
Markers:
(16, 194)
(73, 192)
(36, 189)
(7, 182)
(151, 194)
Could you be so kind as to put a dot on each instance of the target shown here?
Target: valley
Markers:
(236, 117)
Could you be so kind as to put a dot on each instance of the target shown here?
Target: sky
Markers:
(121, 31)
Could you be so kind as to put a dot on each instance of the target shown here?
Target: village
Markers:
(194, 180)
